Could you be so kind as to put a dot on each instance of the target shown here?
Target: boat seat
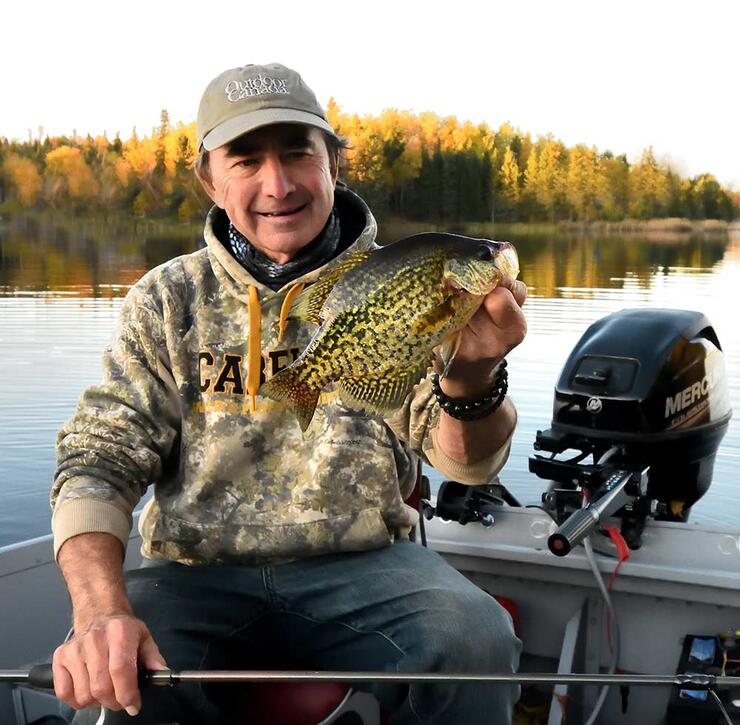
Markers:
(300, 703)
(312, 703)
(287, 703)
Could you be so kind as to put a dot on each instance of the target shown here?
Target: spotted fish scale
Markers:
(371, 327)
(382, 317)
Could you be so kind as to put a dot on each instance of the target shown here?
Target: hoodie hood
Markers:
(354, 214)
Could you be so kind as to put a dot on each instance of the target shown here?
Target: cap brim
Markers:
(235, 127)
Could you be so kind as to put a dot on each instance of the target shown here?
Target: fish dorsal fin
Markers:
(382, 395)
(308, 304)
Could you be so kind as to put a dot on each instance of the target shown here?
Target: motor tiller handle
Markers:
(574, 530)
(583, 521)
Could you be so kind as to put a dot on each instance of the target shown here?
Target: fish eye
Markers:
(485, 253)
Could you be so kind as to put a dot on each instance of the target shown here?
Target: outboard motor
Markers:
(644, 397)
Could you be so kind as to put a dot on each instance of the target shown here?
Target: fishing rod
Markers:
(41, 676)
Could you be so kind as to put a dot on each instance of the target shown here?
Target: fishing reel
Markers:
(464, 504)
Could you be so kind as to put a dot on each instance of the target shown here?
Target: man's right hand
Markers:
(100, 664)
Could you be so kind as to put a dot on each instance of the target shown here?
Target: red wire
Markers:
(623, 553)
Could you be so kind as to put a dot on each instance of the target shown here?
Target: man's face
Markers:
(277, 186)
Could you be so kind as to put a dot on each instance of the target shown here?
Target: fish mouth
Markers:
(282, 213)
(507, 260)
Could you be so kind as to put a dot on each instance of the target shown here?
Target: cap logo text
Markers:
(258, 86)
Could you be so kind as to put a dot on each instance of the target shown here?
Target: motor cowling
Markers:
(653, 382)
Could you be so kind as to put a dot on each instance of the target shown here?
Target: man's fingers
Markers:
(500, 325)
(125, 656)
(124, 635)
(503, 305)
(81, 682)
(71, 684)
(110, 655)
(95, 649)
(124, 677)
(100, 666)
(517, 288)
(149, 654)
(63, 685)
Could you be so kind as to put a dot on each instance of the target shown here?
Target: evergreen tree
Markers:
(423, 167)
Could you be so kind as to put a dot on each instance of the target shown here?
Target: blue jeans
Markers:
(398, 609)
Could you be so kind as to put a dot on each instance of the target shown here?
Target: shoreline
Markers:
(669, 227)
(658, 229)
(667, 224)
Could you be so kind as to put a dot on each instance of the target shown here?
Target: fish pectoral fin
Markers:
(308, 304)
(381, 395)
(287, 387)
(447, 351)
(433, 321)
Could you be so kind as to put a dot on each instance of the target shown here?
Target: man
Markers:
(266, 547)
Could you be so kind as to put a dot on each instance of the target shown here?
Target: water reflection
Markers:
(94, 258)
(553, 266)
(101, 258)
(60, 290)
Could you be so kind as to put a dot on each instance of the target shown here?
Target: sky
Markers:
(616, 75)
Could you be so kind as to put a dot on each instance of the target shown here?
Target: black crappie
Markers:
(380, 315)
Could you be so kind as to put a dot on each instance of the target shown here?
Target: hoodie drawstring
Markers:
(290, 296)
(254, 347)
(254, 341)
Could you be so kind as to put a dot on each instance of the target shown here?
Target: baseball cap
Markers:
(243, 99)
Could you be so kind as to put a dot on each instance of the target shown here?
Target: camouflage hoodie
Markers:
(236, 481)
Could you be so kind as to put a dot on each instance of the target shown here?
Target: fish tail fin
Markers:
(286, 386)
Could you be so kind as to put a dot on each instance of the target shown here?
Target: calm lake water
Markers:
(61, 286)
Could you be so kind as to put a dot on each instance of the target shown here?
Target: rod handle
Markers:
(41, 676)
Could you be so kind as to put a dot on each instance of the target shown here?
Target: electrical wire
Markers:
(614, 625)
(721, 707)
(612, 619)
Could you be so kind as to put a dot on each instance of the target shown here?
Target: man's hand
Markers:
(99, 665)
(496, 328)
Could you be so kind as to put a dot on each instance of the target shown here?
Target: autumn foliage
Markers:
(409, 166)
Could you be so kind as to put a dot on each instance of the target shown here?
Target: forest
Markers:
(419, 167)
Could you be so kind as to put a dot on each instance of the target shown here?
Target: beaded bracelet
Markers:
(474, 409)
